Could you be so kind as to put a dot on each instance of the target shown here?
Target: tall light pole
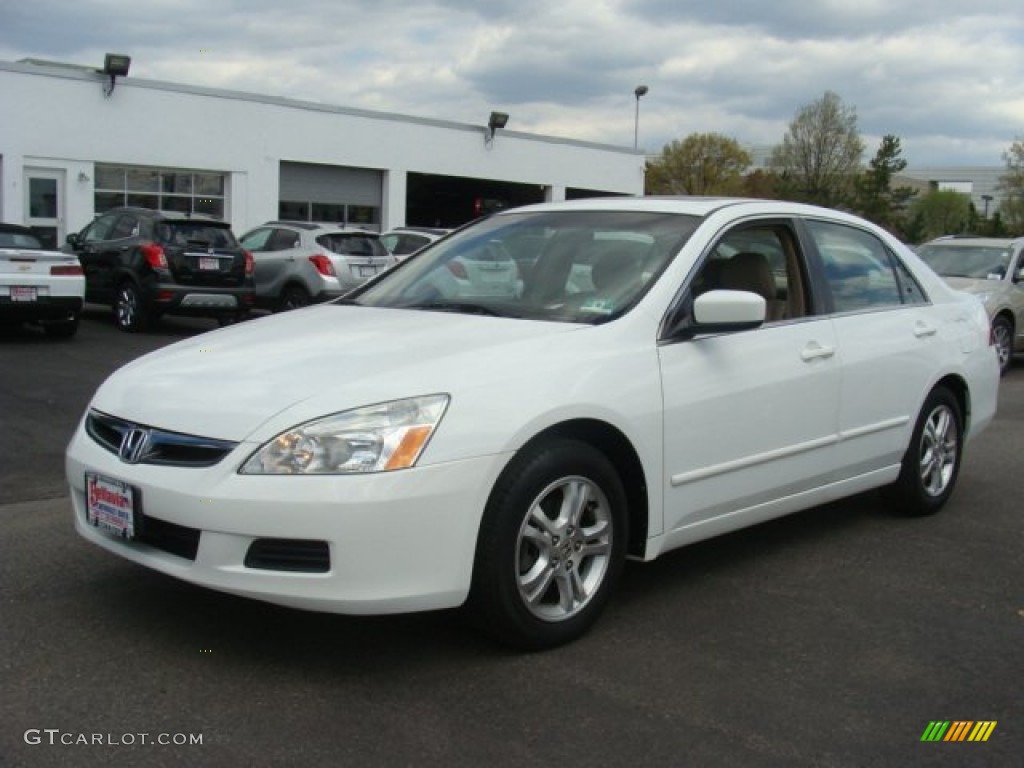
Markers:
(640, 91)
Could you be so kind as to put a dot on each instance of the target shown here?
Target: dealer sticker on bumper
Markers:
(109, 505)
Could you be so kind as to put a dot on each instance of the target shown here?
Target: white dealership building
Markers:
(75, 141)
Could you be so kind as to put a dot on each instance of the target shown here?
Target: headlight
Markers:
(377, 438)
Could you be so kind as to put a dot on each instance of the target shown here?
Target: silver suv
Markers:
(992, 269)
(300, 262)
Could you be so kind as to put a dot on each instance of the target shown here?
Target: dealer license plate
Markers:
(23, 293)
(110, 505)
(209, 263)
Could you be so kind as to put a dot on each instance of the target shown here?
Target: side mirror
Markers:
(728, 311)
(74, 240)
(1019, 276)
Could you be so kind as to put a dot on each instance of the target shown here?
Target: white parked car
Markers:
(407, 449)
(38, 285)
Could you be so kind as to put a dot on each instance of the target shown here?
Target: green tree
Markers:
(940, 212)
(874, 196)
(820, 153)
(700, 164)
(1011, 184)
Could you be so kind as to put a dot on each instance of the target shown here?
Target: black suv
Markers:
(146, 263)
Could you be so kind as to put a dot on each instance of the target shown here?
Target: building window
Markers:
(366, 216)
(165, 189)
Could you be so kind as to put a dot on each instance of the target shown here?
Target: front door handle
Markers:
(815, 351)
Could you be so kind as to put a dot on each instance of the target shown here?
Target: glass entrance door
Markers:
(44, 205)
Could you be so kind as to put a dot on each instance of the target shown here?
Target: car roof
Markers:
(17, 229)
(314, 226)
(168, 215)
(992, 242)
(691, 205)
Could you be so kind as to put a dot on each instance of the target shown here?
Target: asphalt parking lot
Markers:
(829, 638)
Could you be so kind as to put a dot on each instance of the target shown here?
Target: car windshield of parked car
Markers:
(975, 261)
(567, 266)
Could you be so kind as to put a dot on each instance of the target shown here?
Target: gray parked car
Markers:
(993, 269)
(300, 262)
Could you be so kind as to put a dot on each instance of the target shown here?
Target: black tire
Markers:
(570, 561)
(1002, 335)
(64, 329)
(931, 464)
(293, 297)
(130, 312)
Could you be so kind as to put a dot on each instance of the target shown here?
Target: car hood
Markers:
(281, 370)
(973, 285)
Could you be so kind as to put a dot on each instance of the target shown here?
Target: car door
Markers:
(888, 337)
(90, 249)
(749, 416)
(1016, 278)
(273, 256)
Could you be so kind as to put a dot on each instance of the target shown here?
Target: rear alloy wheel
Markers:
(552, 544)
(932, 462)
(1002, 336)
(293, 297)
(129, 312)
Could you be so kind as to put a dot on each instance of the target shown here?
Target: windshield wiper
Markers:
(465, 307)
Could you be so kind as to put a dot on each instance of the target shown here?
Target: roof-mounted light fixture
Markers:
(116, 65)
(497, 120)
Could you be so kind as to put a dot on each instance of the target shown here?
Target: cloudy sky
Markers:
(946, 76)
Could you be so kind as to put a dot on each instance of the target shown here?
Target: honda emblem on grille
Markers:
(133, 445)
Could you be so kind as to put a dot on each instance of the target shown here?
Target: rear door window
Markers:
(861, 272)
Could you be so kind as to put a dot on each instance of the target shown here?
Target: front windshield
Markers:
(976, 261)
(568, 266)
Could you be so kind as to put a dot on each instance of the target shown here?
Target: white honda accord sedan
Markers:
(656, 372)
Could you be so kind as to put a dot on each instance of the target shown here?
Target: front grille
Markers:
(175, 539)
(297, 555)
(158, 446)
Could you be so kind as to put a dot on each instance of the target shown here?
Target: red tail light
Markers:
(250, 264)
(69, 269)
(323, 264)
(154, 255)
(458, 269)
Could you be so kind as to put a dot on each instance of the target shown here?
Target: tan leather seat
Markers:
(749, 271)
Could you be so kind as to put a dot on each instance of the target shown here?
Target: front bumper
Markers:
(397, 542)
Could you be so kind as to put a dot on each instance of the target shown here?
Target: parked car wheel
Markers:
(551, 546)
(932, 462)
(293, 297)
(129, 312)
(1002, 335)
(64, 329)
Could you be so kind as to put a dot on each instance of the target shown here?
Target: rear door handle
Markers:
(922, 329)
(815, 351)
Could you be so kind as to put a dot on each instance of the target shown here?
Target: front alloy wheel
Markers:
(551, 546)
(564, 548)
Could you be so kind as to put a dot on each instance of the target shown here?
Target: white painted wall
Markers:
(59, 117)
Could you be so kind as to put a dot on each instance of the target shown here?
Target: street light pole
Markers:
(640, 91)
